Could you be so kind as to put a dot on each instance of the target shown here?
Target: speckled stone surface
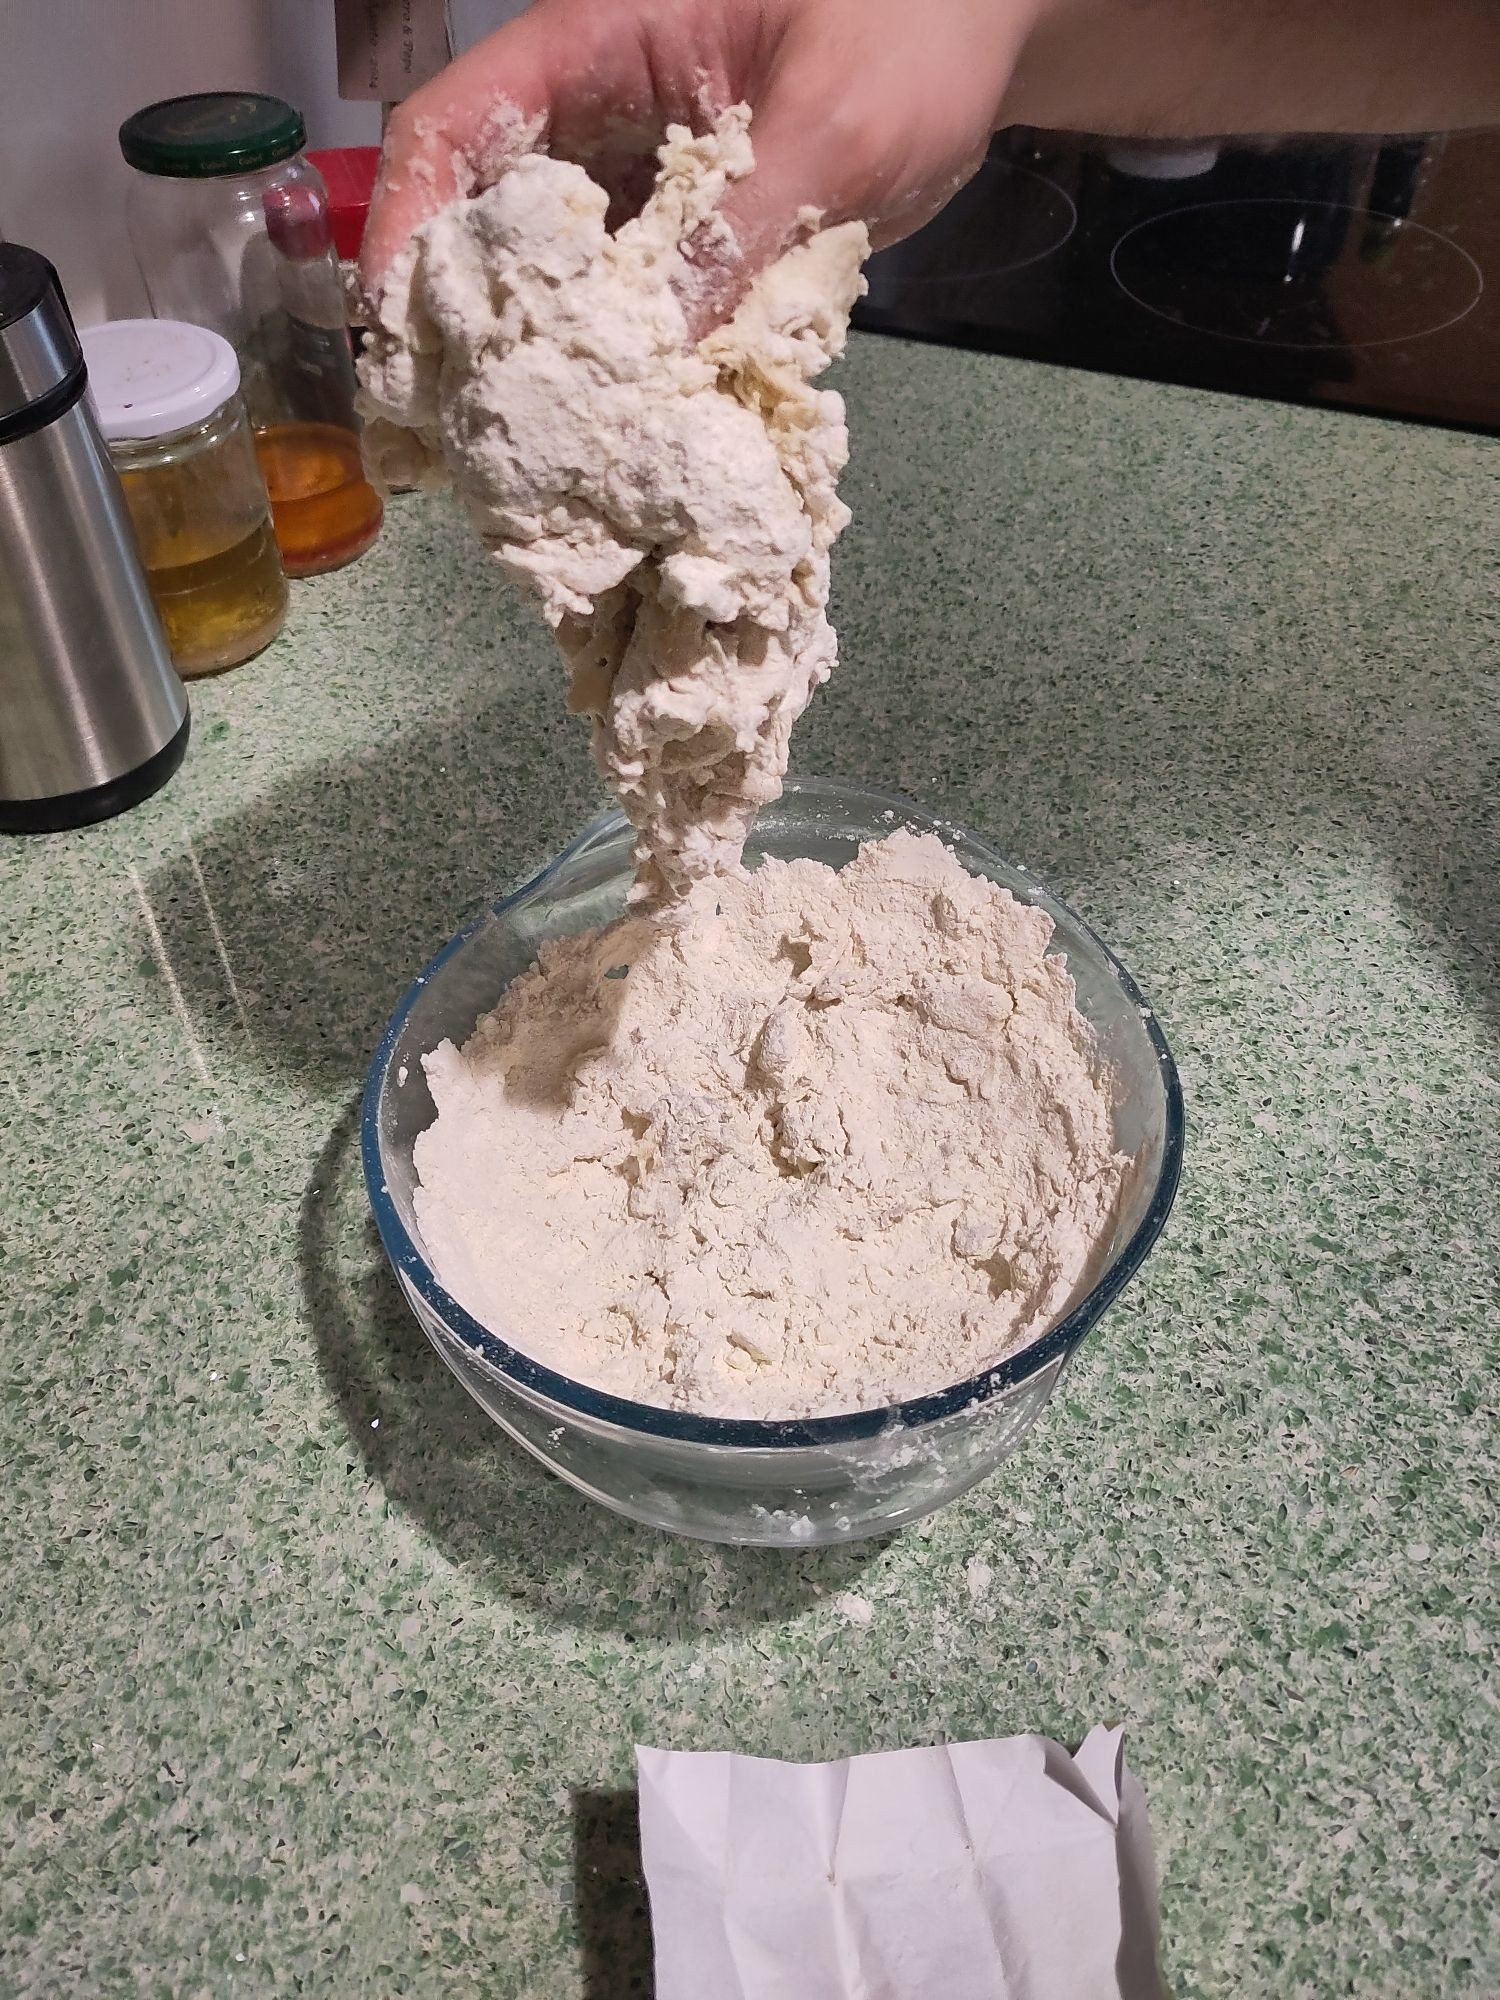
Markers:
(313, 1685)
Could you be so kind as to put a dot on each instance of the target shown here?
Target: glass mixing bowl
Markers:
(806, 1481)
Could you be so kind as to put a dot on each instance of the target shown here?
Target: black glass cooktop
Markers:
(1314, 270)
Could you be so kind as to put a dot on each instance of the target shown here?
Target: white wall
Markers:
(70, 70)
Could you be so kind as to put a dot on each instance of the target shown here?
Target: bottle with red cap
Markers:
(349, 174)
(232, 229)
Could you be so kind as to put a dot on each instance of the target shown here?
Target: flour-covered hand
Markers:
(865, 110)
(878, 110)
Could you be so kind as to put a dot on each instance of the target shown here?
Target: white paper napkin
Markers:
(1004, 1870)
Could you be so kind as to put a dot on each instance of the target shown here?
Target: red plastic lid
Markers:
(349, 174)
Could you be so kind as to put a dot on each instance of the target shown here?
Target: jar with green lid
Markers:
(231, 229)
(167, 400)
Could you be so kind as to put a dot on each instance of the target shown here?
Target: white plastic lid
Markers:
(149, 377)
(1161, 160)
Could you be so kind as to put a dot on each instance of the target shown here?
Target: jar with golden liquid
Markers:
(232, 229)
(167, 399)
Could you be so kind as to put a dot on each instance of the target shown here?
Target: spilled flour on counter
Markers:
(842, 1138)
(671, 505)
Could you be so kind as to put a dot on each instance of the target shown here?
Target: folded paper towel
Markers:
(1005, 1870)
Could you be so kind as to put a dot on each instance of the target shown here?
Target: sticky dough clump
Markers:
(670, 504)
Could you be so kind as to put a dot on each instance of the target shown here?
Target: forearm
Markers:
(1185, 68)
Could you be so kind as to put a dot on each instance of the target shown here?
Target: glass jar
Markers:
(349, 173)
(167, 399)
(230, 228)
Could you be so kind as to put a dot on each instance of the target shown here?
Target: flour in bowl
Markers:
(671, 504)
(840, 1139)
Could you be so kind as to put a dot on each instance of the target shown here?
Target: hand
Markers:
(879, 110)
(875, 110)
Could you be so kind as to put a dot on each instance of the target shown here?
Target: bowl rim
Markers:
(761, 1433)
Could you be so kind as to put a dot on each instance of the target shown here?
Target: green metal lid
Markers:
(212, 132)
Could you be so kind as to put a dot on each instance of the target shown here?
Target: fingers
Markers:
(879, 129)
(759, 217)
(561, 67)
(827, 131)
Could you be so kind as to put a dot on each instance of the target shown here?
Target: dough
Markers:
(672, 507)
(826, 1140)
(841, 1139)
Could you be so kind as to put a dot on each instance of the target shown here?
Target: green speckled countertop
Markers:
(314, 1685)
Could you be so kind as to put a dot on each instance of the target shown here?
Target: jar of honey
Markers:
(167, 399)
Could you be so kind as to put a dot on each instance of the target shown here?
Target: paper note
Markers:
(1004, 1870)
(388, 48)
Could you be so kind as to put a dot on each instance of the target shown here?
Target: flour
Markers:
(840, 1139)
(671, 506)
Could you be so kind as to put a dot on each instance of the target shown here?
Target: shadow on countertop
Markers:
(610, 1908)
(489, 1506)
(294, 927)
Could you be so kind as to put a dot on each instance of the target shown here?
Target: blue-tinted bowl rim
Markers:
(750, 1433)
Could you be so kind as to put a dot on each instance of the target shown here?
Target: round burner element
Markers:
(1005, 218)
(1297, 274)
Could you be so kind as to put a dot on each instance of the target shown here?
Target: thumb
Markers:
(791, 185)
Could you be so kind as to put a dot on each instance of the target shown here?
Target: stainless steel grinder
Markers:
(93, 717)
